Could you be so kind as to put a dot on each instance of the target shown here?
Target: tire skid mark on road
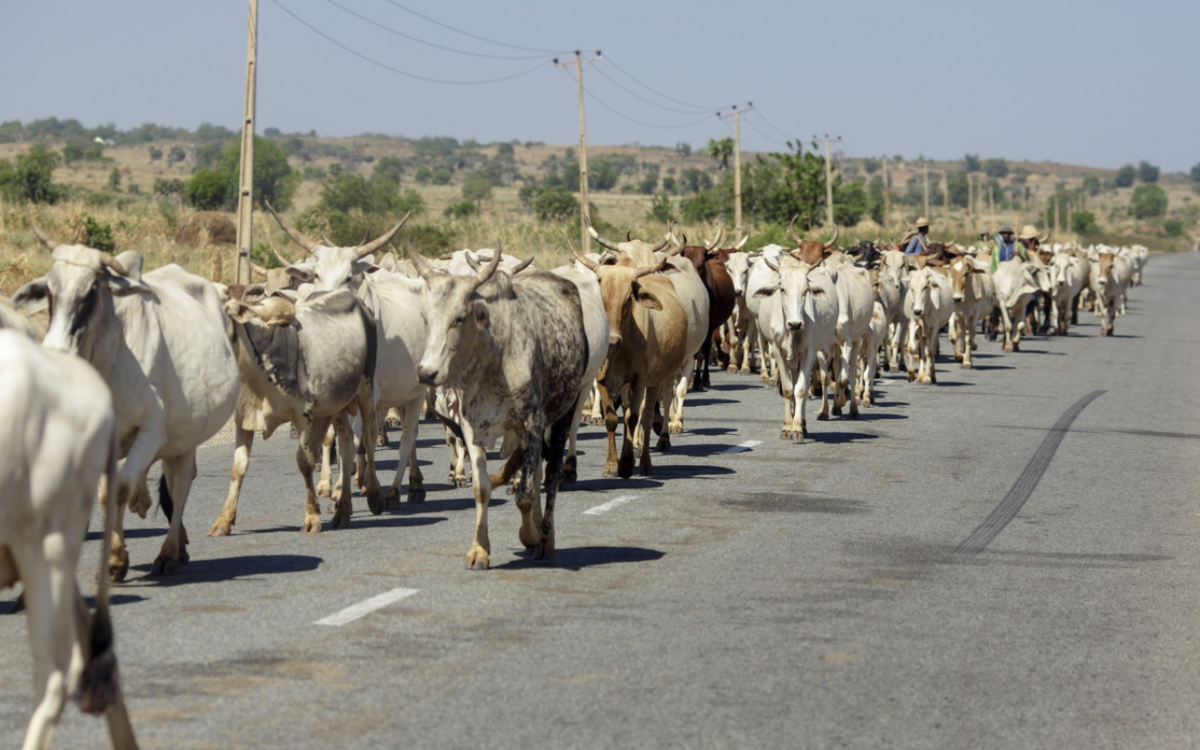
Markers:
(366, 607)
(607, 506)
(1016, 496)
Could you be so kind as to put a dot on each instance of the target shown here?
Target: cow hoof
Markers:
(822, 417)
(416, 494)
(324, 492)
(118, 571)
(664, 445)
(837, 411)
(221, 527)
(676, 429)
(477, 558)
(871, 400)
(610, 470)
(164, 566)
(312, 524)
(853, 413)
(382, 442)
(376, 502)
(732, 368)
(625, 468)
(966, 365)
(911, 377)
(341, 519)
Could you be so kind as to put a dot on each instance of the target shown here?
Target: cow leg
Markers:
(633, 401)
(343, 505)
(48, 573)
(822, 377)
(800, 393)
(370, 482)
(407, 456)
(1006, 324)
(179, 472)
(911, 355)
(851, 353)
(610, 427)
(478, 555)
(968, 336)
(325, 481)
(570, 473)
(681, 389)
(664, 436)
(527, 492)
(868, 379)
(646, 397)
(241, 461)
(309, 434)
(559, 432)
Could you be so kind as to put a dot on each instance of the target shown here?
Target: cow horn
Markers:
(596, 235)
(951, 242)
(383, 239)
(629, 235)
(44, 238)
(662, 245)
(772, 262)
(833, 239)
(647, 270)
(792, 230)
(299, 239)
(258, 269)
(107, 260)
(588, 263)
(418, 262)
(522, 265)
(716, 240)
(282, 260)
(671, 234)
(741, 244)
(482, 277)
(328, 242)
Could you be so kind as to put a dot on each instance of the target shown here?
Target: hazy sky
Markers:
(1083, 82)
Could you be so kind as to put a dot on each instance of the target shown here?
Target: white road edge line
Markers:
(363, 608)
(743, 447)
(607, 506)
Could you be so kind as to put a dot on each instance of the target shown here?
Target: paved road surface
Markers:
(1005, 560)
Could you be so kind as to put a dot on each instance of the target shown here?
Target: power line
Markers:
(475, 36)
(654, 91)
(398, 33)
(777, 130)
(385, 66)
(604, 104)
(635, 95)
(764, 135)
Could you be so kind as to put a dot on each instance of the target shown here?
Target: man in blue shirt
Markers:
(1006, 247)
(918, 242)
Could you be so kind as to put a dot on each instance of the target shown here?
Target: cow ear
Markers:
(766, 291)
(832, 274)
(32, 296)
(481, 314)
(131, 261)
(122, 286)
(646, 298)
(303, 275)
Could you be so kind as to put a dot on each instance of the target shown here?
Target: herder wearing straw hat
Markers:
(918, 241)
(1006, 247)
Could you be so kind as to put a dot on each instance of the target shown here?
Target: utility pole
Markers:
(586, 240)
(1056, 221)
(925, 165)
(829, 178)
(887, 191)
(991, 205)
(245, 211)
(971, 200)
(737, 163)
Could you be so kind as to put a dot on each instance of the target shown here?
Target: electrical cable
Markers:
(405, 73)
(777, 130)
(605, 104)
(475, 36)
(635, 95)
(764, 135)
(653, 91)
(398, 33)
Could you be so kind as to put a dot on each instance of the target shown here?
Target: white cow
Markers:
(1109, 280)
(928, 306)
(694, 297)
(796, 307)
(743, 333)
(1015, 285)
(856, 303)
(1068, 276)
(974, 299)
(59, 435)
(869, 358)
(160, 343)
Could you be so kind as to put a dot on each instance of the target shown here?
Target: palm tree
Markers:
(721, 150)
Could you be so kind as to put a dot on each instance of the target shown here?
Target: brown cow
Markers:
(647, 347)
(710, 265)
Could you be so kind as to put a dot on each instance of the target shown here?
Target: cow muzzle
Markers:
(614, 340)
(957, 297)
(427, 375)
(795, 325)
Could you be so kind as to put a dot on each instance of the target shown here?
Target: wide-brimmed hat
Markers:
(921, 222)
(984, 229)
(1005, 228)
(1028, 232)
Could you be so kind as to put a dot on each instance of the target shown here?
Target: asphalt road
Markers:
(1005, 560)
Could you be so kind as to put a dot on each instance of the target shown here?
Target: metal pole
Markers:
(245, 210)
(583, 173)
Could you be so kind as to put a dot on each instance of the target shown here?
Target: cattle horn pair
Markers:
(106, 259)
(298, 238)
(44, 238)
(370, 247)
(796, 237)
(612, 245)
(742, 243)
(716, 240)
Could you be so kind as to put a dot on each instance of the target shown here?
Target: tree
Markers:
(1196, 174)
(1084, 223)
(661, 210)
(442, 177)
(1125, 176)
(959, 189)
(1149, 201)
(32, 178)
(997, 168)
(207, 190)
(871, 165)
(176, 155)
(1091, 185)
(155, 153)
(971, 163)
(549, 202)
(423, 175)
(721, 149)
(274, 179)
(1147, 172)
(683, 149)
(114, 179)
(849, 204)
(648, 184)
(476, 188)
(388, 168)
(799, 187)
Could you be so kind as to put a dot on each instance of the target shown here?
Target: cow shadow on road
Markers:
(138, 533)
(708, 401)
(836, 438)
(221, 569)
(577, 558)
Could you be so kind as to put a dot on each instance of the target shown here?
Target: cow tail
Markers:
(164, 498)
(98, 683)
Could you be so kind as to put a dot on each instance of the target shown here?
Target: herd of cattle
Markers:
(146, 367)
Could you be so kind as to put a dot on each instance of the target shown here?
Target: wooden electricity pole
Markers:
(991, 205)
(887, 190)
(737, 163)
(926, 167)
(578, 62)
(245, 210)
(829, 178)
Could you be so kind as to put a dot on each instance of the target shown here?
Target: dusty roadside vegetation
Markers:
(140, 218)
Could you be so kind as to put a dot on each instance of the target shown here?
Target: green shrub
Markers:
(1084, 223)
(477, 188)
(1147, 172)
(207, 190)
(442, 177)
(461, 210)
(424, 175)
(1125, 176)
(1173, 227)
(997, 168)
(166, 187)
(114, 179)
(32, 178)
(98, 236)
(1149, 201)
(155, 153)
(549, 202)
(176, 155)
(661, 210)
(389, 168)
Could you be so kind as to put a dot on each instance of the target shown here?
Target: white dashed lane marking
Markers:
(606, 506)
(743, 447)
(363, 608)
